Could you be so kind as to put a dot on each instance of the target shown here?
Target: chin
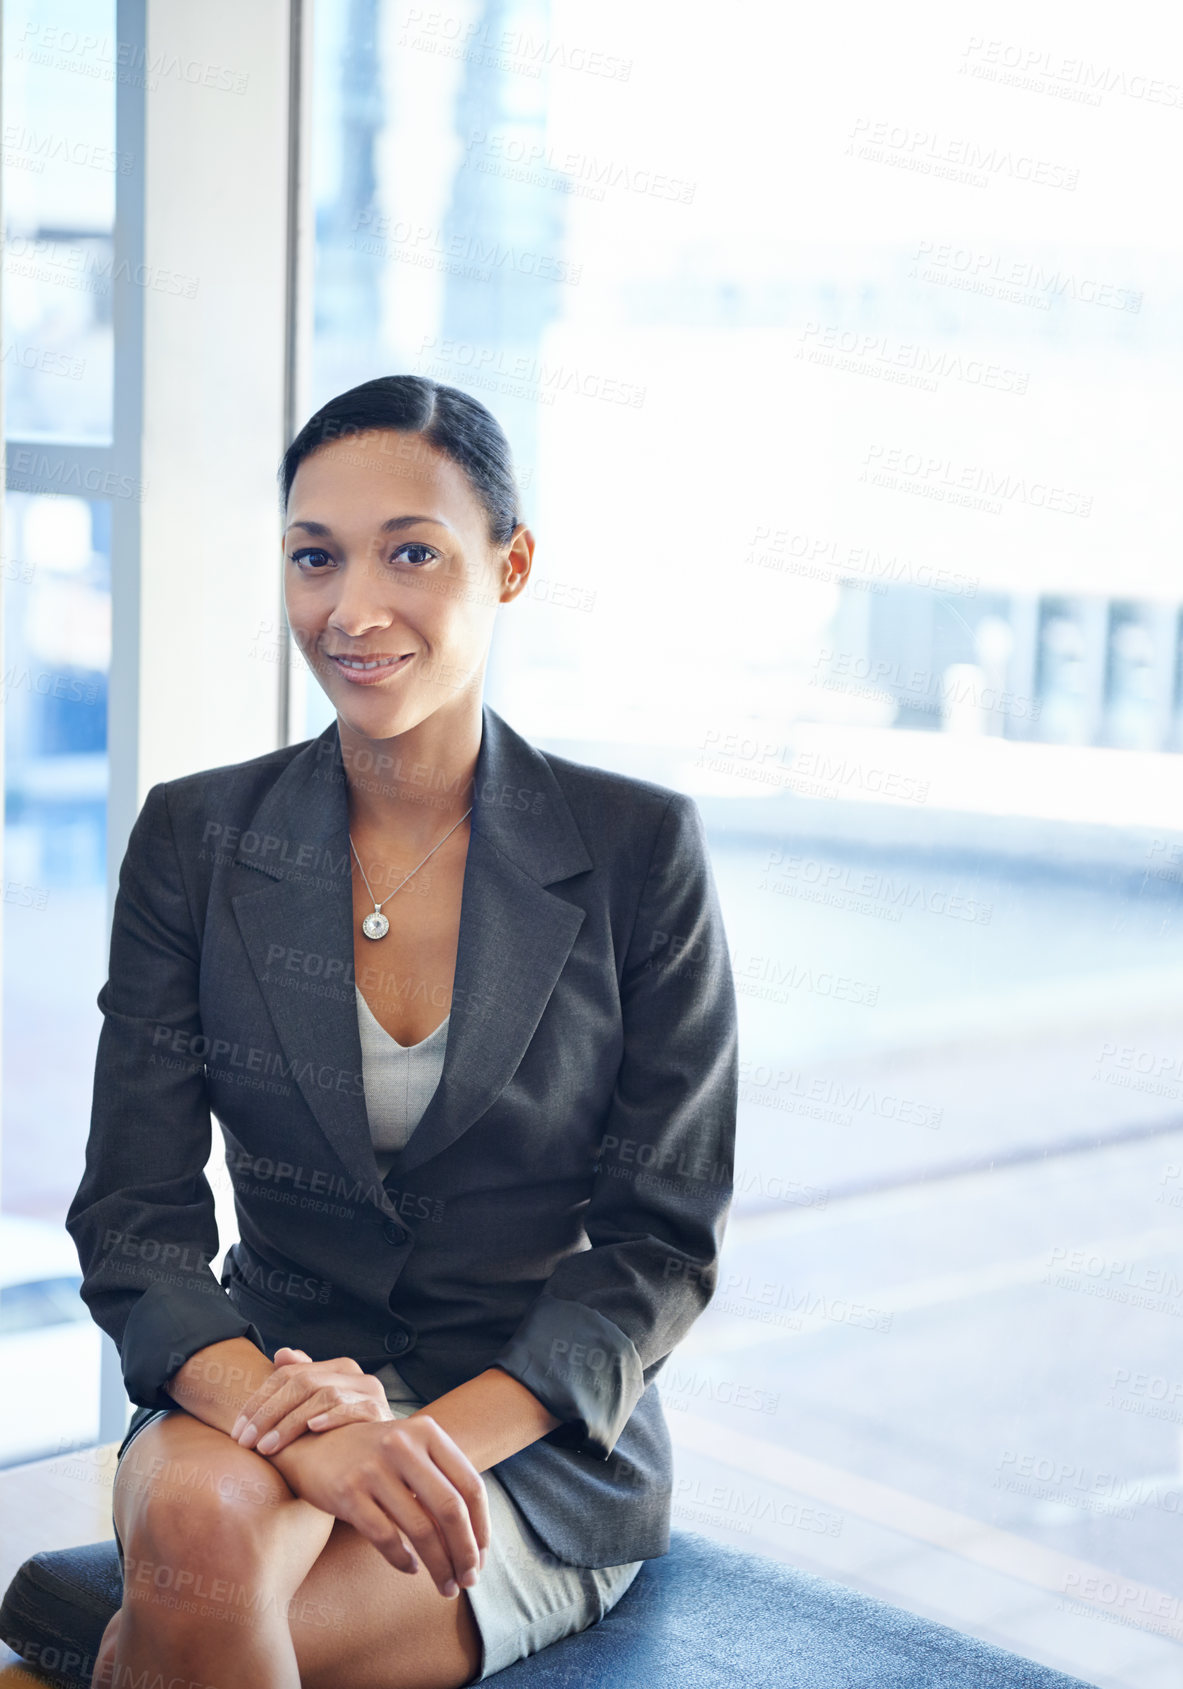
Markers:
(380, 720)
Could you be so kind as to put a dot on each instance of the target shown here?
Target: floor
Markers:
(60, 1503)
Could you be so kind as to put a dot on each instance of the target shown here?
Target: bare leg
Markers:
(357, 1621)
(104, 1662)
(219, 1558)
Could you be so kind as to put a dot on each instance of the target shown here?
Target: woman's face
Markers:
(388, 561)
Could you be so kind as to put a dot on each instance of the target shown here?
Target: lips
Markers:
(366, 671)
(366, 662)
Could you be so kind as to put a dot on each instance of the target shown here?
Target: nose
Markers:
(359, 606)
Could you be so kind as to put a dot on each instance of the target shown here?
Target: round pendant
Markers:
(375, 925)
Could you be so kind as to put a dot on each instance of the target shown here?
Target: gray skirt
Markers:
(525, 1598)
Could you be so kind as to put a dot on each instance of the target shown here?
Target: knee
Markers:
(194, 1514)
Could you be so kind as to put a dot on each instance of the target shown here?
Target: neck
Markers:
(409, 789)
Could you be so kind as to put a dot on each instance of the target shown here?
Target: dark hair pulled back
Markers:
(458, 426)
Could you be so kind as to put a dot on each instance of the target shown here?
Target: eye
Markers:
(310, 552)
(414, 545)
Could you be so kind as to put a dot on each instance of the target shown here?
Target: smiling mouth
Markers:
(364, 664)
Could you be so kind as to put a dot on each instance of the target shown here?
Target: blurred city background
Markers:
(841, 368)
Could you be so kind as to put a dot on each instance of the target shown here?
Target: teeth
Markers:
(355, 663)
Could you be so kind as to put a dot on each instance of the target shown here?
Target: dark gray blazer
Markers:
(559, 1209)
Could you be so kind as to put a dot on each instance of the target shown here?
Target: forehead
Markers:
(381, 472)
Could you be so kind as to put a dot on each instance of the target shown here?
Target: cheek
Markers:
(304, 608)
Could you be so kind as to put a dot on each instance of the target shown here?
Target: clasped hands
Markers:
(404, 1484)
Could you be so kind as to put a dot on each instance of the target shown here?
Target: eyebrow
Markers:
(392, 525)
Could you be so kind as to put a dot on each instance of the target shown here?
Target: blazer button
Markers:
(394, 1233)
(397, 1342)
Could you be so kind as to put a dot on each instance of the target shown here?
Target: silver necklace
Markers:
(376, 925)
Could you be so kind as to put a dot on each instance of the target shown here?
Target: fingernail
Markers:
(267, 1443)
(451, 1589)
(484, 1557)
(469, 1578)
(238, 1425)
(248, 1436)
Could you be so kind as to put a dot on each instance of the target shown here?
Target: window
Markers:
(59, 187)
(839, 363)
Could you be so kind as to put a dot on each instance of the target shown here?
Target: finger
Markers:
(341, 1363)
(254, 1405)
(420, 1530)
(292, 1384)
(284, 1395)
(456, 1466)
(286, 1417)
(325, 1405)
(379, 1505)
(439, 1497)
(349, 1413)
(376, 1525)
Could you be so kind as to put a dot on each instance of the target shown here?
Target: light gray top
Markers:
(399, 1080)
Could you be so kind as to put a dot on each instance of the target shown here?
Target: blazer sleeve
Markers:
(142, 1218)
(662, 1187)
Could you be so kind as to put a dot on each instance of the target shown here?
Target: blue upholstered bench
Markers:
(701, 1617)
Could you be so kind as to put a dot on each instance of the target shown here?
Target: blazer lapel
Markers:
(515, 937)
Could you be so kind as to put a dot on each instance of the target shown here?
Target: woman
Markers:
(465, 1015)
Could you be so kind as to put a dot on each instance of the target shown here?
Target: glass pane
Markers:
(60, 169)
(841, 364)
(57, 637)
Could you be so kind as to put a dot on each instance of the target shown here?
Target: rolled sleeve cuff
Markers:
(581, 1367)
(167, 1326)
